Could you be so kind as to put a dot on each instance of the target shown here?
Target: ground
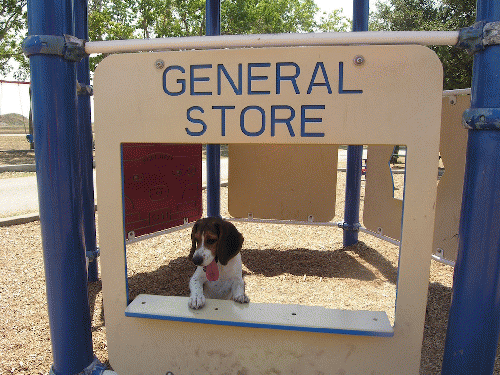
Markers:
(282, 264)
(16, 157)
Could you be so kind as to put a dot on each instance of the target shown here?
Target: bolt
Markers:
(159, 64)
(359, 60)
(482, 118)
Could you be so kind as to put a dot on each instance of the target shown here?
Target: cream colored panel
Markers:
(329, 99)
(453, 147)
(264, 315)
(383, 101)
(382, 212)
(286, 182)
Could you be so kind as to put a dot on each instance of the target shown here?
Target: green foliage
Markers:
(267, 16)
(334, 22)
(446, 15)
(12, 33)
(128, 19)
(125, 19)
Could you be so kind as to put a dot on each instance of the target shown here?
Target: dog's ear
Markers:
(193, 240)
(229, 242)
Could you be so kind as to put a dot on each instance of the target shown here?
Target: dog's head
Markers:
(214, 238)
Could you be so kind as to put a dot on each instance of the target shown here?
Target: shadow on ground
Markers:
(173, 279)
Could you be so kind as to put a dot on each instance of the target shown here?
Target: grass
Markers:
(13, 142)
(13, 123)
(5, 175)
(13, 130)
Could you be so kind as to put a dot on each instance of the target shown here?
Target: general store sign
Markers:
(279, 94)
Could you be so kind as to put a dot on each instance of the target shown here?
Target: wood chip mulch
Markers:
(282, 264)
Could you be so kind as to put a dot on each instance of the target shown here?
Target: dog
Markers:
(215, 250)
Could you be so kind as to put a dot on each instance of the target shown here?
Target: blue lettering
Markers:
(237, 90)
(341, 82)
(223, 116)
(325, 77)
(256, 78)
(194, 79)
(293, 78)
(196, 121)
(182, 81)
(286, 121)
(304, 120)
(242, 121)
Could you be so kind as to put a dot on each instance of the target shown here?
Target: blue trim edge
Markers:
(260, 325)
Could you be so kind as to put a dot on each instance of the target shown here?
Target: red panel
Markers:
(162, 185)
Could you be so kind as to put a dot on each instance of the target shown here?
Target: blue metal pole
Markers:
(360, 15)
(84, 133)
(53, 84)
(213, 151)
(352, 194)
(354, 153)
(474, 319)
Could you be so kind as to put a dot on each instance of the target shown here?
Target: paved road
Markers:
(19, 196)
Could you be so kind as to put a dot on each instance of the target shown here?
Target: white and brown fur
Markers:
(214, 238)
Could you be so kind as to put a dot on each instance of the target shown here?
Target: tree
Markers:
(12, 32)
(125, 19)
(128, 19)
(400, 15)
(334, 22)
(267, 16)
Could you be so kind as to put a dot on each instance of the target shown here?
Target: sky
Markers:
(346, 5)
(15, 98)
(329, 5)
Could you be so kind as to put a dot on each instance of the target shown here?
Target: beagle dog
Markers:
(216, 253)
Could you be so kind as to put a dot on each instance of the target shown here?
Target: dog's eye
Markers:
(211, 241)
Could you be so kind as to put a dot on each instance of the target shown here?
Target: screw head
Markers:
(159, 64)
(359, 60)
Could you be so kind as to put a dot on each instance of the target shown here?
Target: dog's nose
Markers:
(198, 260)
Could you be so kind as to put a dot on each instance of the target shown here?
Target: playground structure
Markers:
(62, 206)
(382, 212)
(369, 331)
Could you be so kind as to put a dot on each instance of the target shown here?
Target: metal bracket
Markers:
(69, 47)
(95, 368)
(478, 36)
(438, 255)
(491, 33)
(353, 227)
(93, 254)
(84, 89)
(481, 118)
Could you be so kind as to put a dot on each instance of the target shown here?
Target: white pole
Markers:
(457, 92)
(274, 40)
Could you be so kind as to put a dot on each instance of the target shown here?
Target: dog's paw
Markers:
(241, 298)
(197, 301)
